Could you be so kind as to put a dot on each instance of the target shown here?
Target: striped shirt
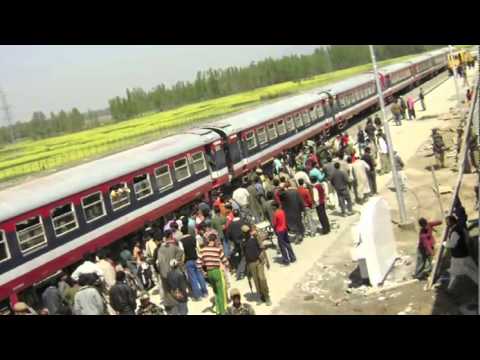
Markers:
(211, 257)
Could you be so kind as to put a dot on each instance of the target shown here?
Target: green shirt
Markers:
(217, 224)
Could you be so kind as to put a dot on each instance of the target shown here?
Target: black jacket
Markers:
(234, 231)
(123, 298)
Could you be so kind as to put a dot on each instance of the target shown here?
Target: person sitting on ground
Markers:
(237, 307)
(147, 307)
(425, 249)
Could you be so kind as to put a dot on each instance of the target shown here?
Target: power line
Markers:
(7, 114)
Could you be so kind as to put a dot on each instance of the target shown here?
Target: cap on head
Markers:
(245, 228)
(20, 307)
(173, 263)
(235, 292)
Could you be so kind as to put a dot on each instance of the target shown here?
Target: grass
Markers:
(31, 156)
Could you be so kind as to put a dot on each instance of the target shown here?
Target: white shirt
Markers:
(383, 146)
(302, 175)
(87, 267)
(109, 272)
(241, 196)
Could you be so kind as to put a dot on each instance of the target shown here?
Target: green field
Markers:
(28, 157)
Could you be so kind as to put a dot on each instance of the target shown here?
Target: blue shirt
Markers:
(316, 173)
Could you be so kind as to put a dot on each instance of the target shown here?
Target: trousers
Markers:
(423, 265)
(323, 218)
(309, 220)
(372, 180)
(344, 197)
(257, 271)
(385, 163)
(285, 247)
(197, 282)
(217, 280)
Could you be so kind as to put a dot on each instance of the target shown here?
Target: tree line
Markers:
(211, 84)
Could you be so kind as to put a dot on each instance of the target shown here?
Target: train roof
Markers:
(39, 192)
(420, 59)
(251, 118)
(394, 67)
(351, 83)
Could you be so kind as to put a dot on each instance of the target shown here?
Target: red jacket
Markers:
(306, 196)
(276, 195)
(321, 193)
(426, 239)
(280, 221)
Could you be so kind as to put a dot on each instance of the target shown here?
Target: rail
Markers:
(473, 113)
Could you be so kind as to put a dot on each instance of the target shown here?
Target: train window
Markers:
(319, 110)
(312, 114)
(164, 178)
(4, 250)
(272, 132)
(290, 124)
(119, 196)
(281, 127)
(181, 169)
(262, 135)
(250, 139)
(93, 207)
(31, 234)
(306, 118)
(298, 120)
(198, 162)
(64, 219)
(142, 186)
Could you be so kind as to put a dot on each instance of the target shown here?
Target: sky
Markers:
(51, 78)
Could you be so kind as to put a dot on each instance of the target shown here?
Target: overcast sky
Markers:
(51, 78)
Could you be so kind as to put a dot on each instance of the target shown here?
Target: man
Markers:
(88, 267)
(178, 285)
(148, 308)
(20, 308)
(339, 181)
(254, 202)
(397, 113)
(425, 248)
(105, 265)
(422, 99)
(255, 259)
(88, 300)
(219, 222)
(52, 300)
(461, 262)
(209, 262)
(294, 209)
(261, 195)
(360, 170)
(306, 196)
(300, 174)
(150, 248)
(195, 277)
(237, 307)
(438, 148)
(234, 234)
(166, 252)
(383, 150)
(277, 165)
(371, 173)
(281, 229)
(403, 107)
(361, 141)
(316, 173)
(241, 197)
(122, 297)
(319, 199)
(399, 166)
(370, 130)
(411, 107)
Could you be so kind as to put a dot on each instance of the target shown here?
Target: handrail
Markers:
(461, 169)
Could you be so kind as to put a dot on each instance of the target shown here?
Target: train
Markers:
(49, 223)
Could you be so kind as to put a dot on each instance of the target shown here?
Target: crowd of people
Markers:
(226, 236)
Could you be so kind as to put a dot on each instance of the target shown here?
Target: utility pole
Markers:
(459, 99)
(398, 190)
(8, 117)
(329, 59)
